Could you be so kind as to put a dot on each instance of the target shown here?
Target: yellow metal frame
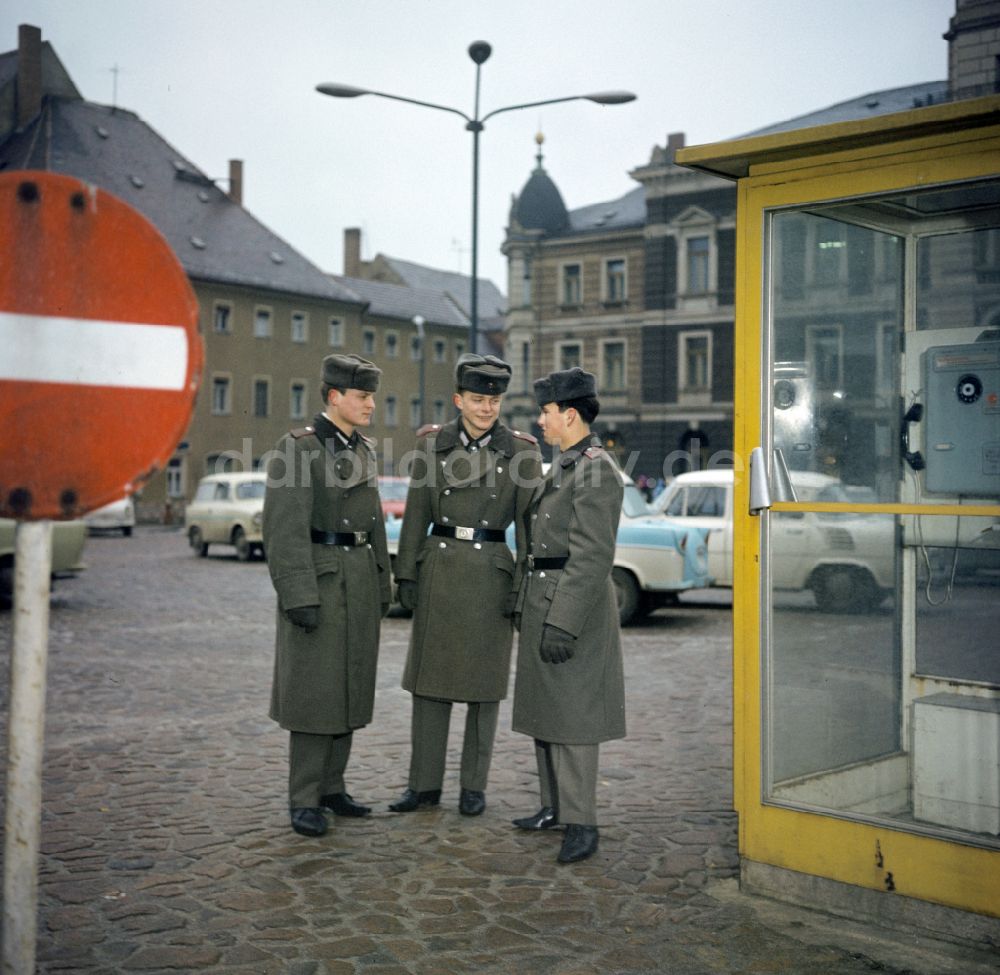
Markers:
(914, 149)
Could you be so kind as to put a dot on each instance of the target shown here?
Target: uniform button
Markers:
(442, 545)
(347, 548)
(473, 448)
(541, 575)
(477, 544)
(345, 521)
(483, 522)
(447, 491)
(544, 545)
(444, 517)
(499, 470)
(547, 515)
(369, 545)
(534, 516)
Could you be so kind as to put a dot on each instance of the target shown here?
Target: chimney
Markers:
(236, 181)
(29, 74)
(352, 252)
(675, 141)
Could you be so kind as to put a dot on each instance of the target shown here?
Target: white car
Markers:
(228, 509)
(68, 538)
(117, 516)
(845, 560)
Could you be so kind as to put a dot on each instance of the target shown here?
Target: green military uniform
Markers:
(572, 706)
(467, 492)
(325, 541)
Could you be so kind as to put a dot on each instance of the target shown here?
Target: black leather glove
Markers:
(509, 603)
(304, 617)
(557, 645)
(407, 591)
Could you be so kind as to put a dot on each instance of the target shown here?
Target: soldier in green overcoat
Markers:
(469, 480)
(324, 537)
(569, 691)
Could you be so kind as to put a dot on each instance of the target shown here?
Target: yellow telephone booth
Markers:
(867, 437)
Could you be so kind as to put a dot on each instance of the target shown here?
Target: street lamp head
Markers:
(480, 51)
(341, 91)
(610, 97)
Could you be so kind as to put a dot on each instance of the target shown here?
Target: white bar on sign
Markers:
(88, 352)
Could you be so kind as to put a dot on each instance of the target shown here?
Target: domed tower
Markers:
(536, 213)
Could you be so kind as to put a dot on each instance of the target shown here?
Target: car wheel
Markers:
(127, 531)
(627, 593)
(244, 550)
(197, 543)
(845, 589)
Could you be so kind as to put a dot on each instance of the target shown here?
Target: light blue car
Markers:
(655, 559)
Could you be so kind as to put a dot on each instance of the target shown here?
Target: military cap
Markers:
(486, 374)
(561, 387)
(350, 371)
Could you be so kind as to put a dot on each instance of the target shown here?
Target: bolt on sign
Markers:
(100, 354)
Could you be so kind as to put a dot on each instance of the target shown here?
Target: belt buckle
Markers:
(531, 563)
(360, 538)
(465, 534)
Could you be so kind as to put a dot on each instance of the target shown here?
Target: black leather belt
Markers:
(338, 538)
(469, 534)
(556, 562)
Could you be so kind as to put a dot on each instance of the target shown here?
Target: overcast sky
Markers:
(224, 79)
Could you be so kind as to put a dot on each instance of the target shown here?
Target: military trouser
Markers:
(567, 778)
(429, 740)
(316, 766)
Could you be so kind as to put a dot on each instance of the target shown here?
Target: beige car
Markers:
(228, 509)
(68, 538)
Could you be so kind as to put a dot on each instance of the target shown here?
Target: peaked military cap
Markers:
(350, 371)
(486, 374)
(561, 387)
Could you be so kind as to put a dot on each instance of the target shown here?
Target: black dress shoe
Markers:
(545, 818)
(471, 802)
(341, 804)
(308, 821)
(411, 799)
(579, 843)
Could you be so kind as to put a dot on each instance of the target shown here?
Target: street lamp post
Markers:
(419, 320)
(479, 51)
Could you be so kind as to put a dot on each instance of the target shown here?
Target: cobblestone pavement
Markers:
(166, 845)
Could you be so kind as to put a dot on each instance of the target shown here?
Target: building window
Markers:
(526, 367)
(438, 411)
(335, 332)
(261, 397)
(828, 256)
(368, 342)
(416, 352)
(440, 349)
(695, 361)
(262, 323)
(297, 400)
(825, 354)
(222, 404)
(300, 326)
(391, 345)
(614, 281)
(697, 265)
(613, 366)
(222, 319)
(459, 348)
(572, 286)
(175, 477)
(391, 413)
(569, 355)
(415, 418)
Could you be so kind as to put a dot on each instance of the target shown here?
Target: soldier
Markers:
(569, 692)
(470, 479)
(326, 551)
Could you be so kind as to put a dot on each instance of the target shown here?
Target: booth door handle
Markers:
(765, 490)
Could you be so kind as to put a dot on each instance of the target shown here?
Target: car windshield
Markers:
(392, 490)
(633, 502)
(250, 490)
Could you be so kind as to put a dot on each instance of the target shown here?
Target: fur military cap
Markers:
(350, 371)
(486, 374)
(561, 387)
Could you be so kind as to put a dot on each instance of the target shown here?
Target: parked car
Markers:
(228, 509)
(68, 538)
(117, 516)
(392, 491)
(654, 559)
(847, 561)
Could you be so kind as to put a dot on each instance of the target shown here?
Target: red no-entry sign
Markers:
(100, 356)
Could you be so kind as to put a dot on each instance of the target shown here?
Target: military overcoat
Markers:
(460, 643)
(574, 513)
(324, 681)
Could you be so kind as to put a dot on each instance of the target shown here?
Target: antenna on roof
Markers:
(114, 86)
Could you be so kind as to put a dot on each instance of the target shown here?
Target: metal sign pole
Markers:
(25, 739)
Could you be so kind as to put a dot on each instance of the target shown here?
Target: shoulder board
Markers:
(370, 441)
(301, 432)
(593, 452)
(428, 428)
(520, 435)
